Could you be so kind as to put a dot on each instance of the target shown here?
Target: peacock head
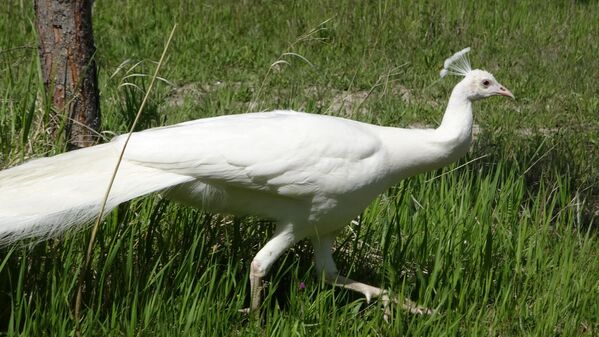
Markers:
(477, 84)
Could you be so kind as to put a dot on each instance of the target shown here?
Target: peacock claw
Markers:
(406, 305)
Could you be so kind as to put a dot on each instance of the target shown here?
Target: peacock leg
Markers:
(281, 241)
(323, 258)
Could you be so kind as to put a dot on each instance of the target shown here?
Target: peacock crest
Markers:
(458, 64)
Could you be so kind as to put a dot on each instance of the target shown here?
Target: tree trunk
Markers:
(66, 47)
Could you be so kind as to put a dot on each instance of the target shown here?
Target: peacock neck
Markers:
(420, 150)
(456, 126)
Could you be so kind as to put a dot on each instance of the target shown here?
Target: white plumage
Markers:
(310, 173)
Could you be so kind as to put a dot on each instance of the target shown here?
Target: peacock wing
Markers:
(285, 152)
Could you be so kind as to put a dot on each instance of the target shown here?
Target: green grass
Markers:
(503, 246)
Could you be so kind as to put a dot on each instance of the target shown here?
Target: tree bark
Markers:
(66, 47)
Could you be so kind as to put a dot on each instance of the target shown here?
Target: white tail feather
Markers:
(45, 197)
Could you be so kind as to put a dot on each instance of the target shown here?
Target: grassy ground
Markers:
(503, 246)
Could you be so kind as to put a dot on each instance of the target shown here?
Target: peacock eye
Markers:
(486, 83)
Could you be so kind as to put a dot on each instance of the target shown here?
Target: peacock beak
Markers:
(504, 92)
